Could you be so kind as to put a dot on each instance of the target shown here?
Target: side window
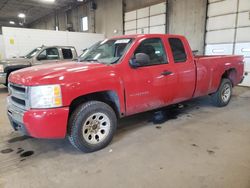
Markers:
(49, 54)
(67, 53)
(154, 49)
(178, 50)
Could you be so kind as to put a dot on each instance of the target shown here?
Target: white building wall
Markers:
(2, 51)
(228, 30)
(19, 41)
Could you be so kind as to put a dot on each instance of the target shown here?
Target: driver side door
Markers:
(149, 86)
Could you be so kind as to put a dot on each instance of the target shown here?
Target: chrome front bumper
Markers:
(15, 116)
(3, 78)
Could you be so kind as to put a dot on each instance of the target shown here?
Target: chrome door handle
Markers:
(166, 73)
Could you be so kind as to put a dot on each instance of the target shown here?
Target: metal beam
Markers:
(36, 3)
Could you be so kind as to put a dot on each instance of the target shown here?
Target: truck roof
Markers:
(146, 35)
(55, 46)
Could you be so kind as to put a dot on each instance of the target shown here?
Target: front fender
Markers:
(90, 86)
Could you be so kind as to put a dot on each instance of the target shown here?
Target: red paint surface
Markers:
(49, 123)
(145, 88)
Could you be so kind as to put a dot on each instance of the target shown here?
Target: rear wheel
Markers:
(92, 126)
(223, 95)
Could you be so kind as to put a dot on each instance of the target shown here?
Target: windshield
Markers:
(33, 53)
(107, 51)
(88, 49)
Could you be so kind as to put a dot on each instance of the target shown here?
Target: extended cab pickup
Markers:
(38, 56)
(119, 77)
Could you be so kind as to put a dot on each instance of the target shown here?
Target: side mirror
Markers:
(195, 52)
(141, 59)
(41, 57)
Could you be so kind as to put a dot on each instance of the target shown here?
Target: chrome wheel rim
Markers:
(96, 128)
(226, 93)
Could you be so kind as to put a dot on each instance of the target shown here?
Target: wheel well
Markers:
(230, 74)
(10, 70)
(108, 97)
(7, 76)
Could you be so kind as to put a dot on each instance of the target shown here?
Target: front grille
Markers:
(19, 101)
(18, 95)
(20, 89)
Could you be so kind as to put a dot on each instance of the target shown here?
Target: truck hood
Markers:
(15, 61)
(56, 73)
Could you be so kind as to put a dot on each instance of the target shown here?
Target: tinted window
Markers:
(67, 53)
(178, 50)
(154, 49)
(49, 54)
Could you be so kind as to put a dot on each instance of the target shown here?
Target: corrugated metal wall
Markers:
(228, 30)
(151, 19)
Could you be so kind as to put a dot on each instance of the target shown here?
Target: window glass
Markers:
(49, 54)
(32, 53)
(85, 25)
(67, 53)
(107, 51)
(154, 49)
(178, 50)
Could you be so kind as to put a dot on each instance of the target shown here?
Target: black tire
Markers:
(78, 122)
(218, 97)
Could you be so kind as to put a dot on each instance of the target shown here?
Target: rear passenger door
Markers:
(184, 68)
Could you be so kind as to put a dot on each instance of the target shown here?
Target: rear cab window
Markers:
(67, 53)
(178, 50)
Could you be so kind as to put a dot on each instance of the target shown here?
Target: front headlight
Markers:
(47, 96)
(1, 68)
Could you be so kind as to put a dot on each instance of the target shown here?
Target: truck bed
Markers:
(211, 68)
(216, 56)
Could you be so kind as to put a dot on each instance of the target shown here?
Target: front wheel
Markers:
(223, 95)
(92, 126)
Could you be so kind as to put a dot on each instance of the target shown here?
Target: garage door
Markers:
(150, 19)
(228, 28)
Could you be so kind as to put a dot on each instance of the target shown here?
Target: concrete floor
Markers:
(204, 147)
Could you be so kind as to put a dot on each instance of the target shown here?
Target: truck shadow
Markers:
(3, 90)
(160, 116)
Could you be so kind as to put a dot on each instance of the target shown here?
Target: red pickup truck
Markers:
(118, 77)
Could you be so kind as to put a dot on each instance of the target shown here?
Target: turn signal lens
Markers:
(46, 96)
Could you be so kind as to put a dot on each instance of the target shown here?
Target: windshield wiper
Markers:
(114, 62)
(91, 60)
(94, 60)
